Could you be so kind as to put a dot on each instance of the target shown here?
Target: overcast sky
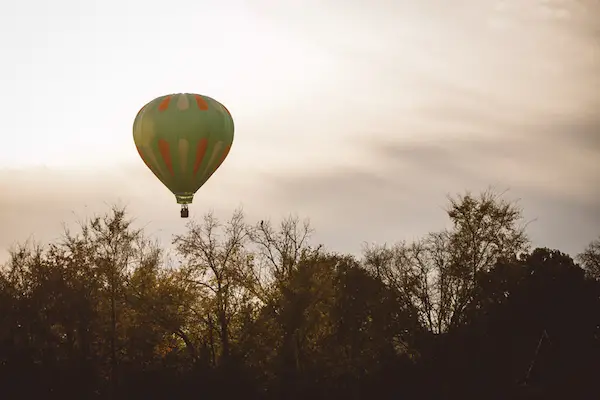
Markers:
(362, 115)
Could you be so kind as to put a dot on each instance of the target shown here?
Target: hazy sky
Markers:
(362, 115)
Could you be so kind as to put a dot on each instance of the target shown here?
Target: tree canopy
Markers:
(256, 310)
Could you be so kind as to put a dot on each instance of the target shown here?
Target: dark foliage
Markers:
(256, 312)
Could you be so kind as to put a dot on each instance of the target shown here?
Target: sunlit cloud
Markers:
(362, 118)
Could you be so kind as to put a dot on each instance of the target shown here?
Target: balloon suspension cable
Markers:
(185, 213)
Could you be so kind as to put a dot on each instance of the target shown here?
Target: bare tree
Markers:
(437, 275)
(420, 274)
(213, 255)
(279, 250)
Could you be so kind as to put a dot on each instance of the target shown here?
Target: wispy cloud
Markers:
(361, 117)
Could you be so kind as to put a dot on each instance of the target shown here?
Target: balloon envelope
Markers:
(183, 138)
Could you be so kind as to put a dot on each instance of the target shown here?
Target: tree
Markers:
(158, 299)
(212, 266)
(278, 251)
(69, 288)
(269, 277)
(256, 311)
(532, 326)
(436, 276)
(418, 272)
(111, 246)
(590, 259)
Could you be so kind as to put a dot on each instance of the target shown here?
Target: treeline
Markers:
(254, 311)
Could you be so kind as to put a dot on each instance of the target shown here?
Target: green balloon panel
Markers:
(183, 139)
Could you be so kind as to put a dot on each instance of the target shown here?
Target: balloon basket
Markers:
(185, 212)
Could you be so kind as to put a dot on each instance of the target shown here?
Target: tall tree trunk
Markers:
(224, 333)
(211, 339)
(113, 338)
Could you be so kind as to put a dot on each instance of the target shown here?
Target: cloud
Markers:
(413, 102)
(553, 168)
(352, 207)
(35, 203)
(400, 194)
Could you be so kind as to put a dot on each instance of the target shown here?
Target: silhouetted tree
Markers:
(212, 264)
(590, 259)
(436, 276)
(255, 311)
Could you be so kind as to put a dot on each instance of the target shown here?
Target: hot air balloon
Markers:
(183, 139)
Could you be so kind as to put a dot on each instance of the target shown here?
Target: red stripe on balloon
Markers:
(164, 104)
(163, 147)
(200, 152)
(201, 102)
